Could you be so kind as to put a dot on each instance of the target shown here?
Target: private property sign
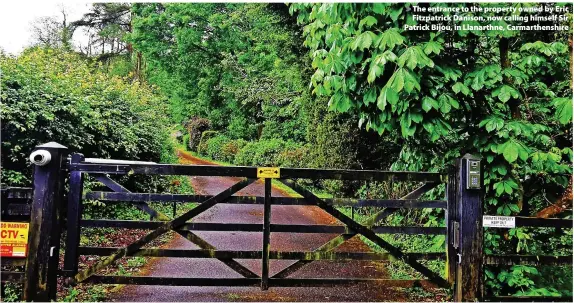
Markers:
(498, 221)
(14, 239)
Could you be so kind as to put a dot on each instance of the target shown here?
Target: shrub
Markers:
(230, 149)
(222, 148)
(293, 156)
(273, 152)
(195, 127)
(214, 147)
(241, 127)
(205, 136)
(54, 95)
(260, 153)
(186, 140)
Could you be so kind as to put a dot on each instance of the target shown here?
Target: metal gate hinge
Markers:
(456, 236)
(52, 251)
(459, 258)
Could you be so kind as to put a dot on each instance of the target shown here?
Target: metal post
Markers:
(266, 236)
(74, 217)
(469, 273)
(452, 223)
(44, 239)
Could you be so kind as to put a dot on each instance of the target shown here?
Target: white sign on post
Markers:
(498, 221)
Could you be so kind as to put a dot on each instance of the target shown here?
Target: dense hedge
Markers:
(205, 136)
(273, 152)
(54, 95)
(221, 148)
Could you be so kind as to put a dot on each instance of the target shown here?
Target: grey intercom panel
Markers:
(473, 174)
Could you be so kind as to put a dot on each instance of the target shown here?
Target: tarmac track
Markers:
(236, 213)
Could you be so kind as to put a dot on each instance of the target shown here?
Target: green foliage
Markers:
(294, 156)
(72, 295)
(503, 95)
(213, 147)
(337, 143)
(238, 65)
(53, 95)
(97, 293)
(221, 148)
(205, 137)
(14, 178)
(266, 153)
(11, 292)
(527, 279)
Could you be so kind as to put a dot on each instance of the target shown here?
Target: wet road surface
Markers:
(235, 213)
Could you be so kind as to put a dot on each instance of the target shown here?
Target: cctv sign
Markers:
(14, 239)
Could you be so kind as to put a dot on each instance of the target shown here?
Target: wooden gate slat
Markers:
(339, 240)
(369, 234)
(190, 236)
(167, 226)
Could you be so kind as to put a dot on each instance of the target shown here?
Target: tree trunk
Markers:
(559, 206)
(565, 201)
(139, 62)
(503, 47)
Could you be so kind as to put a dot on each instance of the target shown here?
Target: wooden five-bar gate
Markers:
(54, 208)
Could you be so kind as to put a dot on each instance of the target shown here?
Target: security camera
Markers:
(41, 157)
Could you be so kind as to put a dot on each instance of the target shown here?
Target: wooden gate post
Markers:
(74, 211)
(266, 236)
(44, 238)
(468, 239)
(452, 225)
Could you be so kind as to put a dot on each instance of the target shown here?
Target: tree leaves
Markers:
(387, 95)
(505, 186)
(461, 97)
(394, 13)
(390, 38)
(404, 79)
(368, 21)
(370, 96)
(548, 49)
(429, 103)
(563, 109)
(340, 102)
(375, 70)
(485, 75)
(379, 8)
(458, 87)
(512, 149)
(413, 57)
(446, 102)
(363, 41)
(505, 92)
(492, 123)
(433, 47)
(333, 63)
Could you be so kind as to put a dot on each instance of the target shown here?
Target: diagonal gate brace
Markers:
(369, 234)
(340, 239)
(164, 228)
(190, 236)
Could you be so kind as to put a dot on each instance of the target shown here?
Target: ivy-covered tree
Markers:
(504, 95)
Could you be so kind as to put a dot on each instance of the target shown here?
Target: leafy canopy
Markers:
(502, 95)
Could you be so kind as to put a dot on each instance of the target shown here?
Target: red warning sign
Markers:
(14, 239)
